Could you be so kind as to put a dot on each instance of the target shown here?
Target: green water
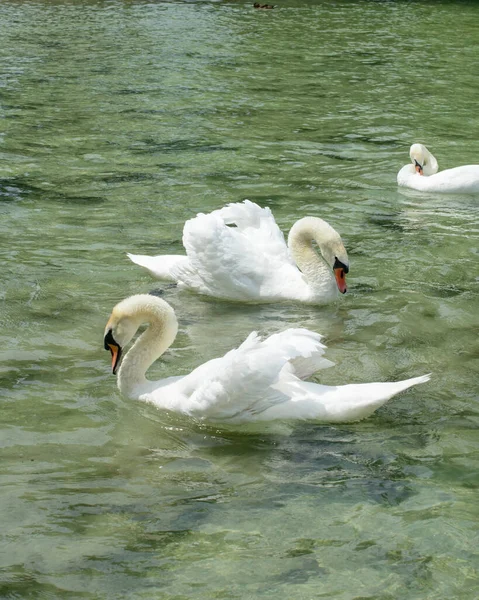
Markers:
(120, 120)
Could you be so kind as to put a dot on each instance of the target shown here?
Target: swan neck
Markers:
(148, 347)
(300, 242)
(431, 166)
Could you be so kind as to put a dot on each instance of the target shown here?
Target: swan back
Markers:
(246, 382)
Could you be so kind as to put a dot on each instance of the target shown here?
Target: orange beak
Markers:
(341, 280)
(418, 167)
(115, 356)
(111, 345)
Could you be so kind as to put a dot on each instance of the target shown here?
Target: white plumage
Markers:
(261, 380)
(239, 253)
(422, 174)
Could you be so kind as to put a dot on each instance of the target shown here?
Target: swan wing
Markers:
(244, 382)
(307, 363)
(258, 226)
(238, 252)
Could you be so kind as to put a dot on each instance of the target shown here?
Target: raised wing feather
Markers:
(311, 358)
(244, 382)
(259, 227)
(237, 252)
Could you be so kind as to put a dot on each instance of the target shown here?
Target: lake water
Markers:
(119, 121)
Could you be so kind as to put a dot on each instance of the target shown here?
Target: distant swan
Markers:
(422, 174)
(261, 380)
(250, 260)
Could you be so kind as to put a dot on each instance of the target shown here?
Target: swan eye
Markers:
(340, 265)
(109, 340)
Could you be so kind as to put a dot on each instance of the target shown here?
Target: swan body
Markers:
(261, 380)
(422, 174)
(239, 253)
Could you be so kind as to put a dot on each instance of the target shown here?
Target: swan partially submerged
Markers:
(422, 174)
(261, 380)
(239, 253)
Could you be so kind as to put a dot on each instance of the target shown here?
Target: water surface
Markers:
(120, 120)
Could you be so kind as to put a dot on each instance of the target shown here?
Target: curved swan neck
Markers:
(150, 345)
(316, 268)
(428, 162)
(300, 242)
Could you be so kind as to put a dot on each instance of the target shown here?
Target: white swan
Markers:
(239, 253)
(258, 381)
(422, 174)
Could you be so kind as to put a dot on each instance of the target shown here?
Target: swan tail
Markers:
(400, 386)
(159, 267)
(358, 401)
(339, 404)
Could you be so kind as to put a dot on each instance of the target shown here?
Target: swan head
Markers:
(309, 229)
(423, 161)
(334, 253)
(126, 318)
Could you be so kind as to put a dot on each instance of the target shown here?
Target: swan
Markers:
(261, 380)
(239, 253)
(422, 174)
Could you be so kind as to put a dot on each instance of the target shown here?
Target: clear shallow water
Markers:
(119, 121)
